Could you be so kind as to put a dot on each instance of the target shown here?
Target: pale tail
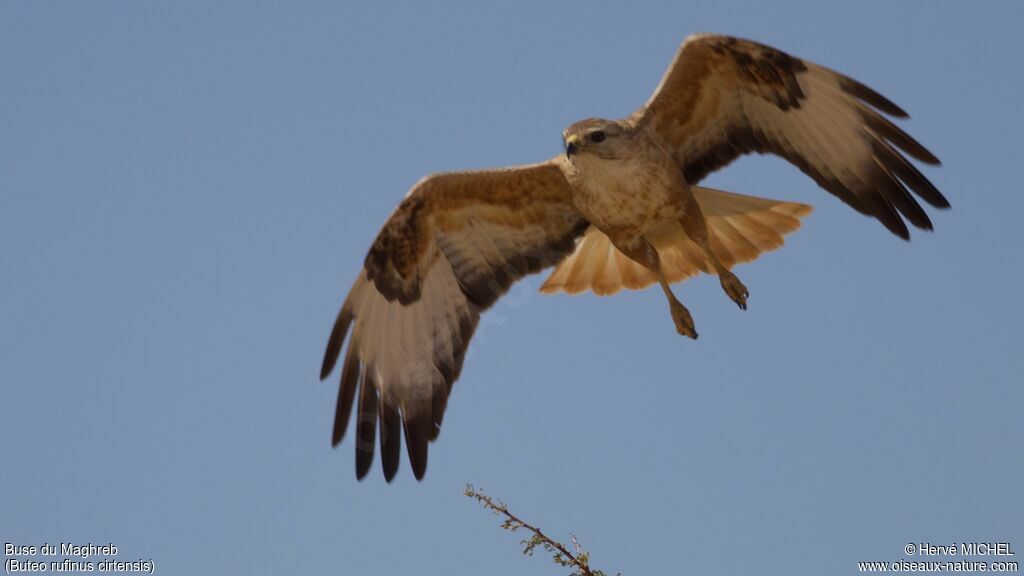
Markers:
(740, 228)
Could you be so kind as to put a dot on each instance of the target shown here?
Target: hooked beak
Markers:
(571, 145)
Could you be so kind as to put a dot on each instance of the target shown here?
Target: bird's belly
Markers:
(628, 205)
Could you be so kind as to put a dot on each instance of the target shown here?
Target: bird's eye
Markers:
(597, 136)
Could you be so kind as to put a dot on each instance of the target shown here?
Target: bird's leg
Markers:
(642, 252)
(680, 315)
(696, 228)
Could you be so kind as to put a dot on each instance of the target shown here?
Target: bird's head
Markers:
(606, 139)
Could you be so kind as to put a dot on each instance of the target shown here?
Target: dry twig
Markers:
(580, 561)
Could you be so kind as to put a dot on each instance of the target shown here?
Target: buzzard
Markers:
(620, 209)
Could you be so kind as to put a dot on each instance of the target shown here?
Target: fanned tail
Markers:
(740, 228)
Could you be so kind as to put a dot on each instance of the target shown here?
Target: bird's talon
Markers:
(683, 320)
(734, 289)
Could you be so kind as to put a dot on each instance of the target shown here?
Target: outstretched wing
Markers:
(451, 248)
(723, 97)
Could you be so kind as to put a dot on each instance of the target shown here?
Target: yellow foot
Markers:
(684, 322)
(734, 289)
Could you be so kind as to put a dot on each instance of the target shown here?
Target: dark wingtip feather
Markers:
(346, 394)
(901, 139)
(334, 343)
(900, 230)
(893, 192)
(903, 233)
(366, 425)
(417, 432)
(885, 213)
(854, 88)
(390, 440)
(895, 163)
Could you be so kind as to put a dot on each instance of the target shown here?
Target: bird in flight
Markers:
(619, 209)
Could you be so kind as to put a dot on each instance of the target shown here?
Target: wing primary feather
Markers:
(880, 208)
(908, 173)
(854, 88)
(346, 393)
(366, 425)
(893, 191)
(417, 435)
(390, 439)
(831, 183)
(901, 139)
(334, 343)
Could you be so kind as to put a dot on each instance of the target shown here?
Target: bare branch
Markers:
(580, 561)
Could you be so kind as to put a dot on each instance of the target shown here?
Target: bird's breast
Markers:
(626, 194)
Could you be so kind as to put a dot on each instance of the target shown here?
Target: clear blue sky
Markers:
(187, 189)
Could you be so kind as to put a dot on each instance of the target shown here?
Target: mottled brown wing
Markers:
(454, 245)
(723, 97)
